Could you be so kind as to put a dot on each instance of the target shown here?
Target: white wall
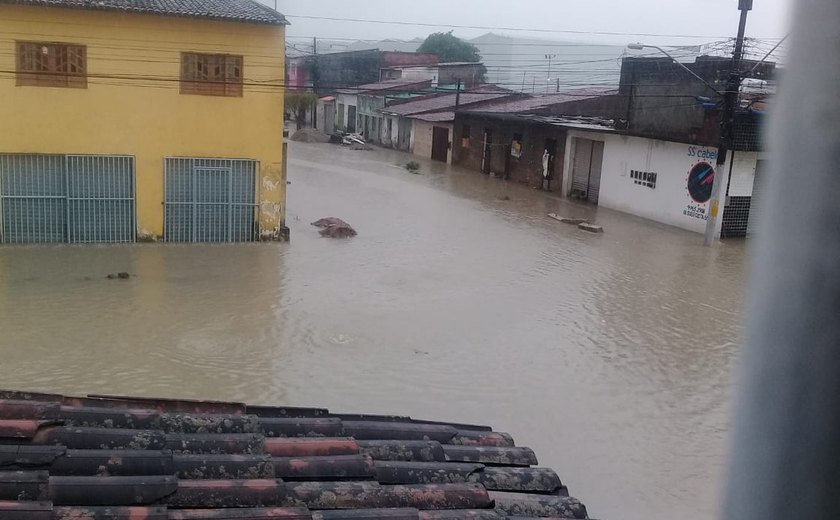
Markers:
(743, 174)
(395, 130)
(420, 74)
(669, 202)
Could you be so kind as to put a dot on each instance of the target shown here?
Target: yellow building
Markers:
(125, 120)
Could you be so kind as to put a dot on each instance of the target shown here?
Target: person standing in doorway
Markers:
(546, 173)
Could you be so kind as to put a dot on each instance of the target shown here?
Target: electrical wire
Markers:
(496, 28)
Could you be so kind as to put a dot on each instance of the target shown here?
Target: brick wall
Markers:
(527, 168)
(395, 59)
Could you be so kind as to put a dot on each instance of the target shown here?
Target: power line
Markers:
(537, 43)
(280, 86)
(494, 28)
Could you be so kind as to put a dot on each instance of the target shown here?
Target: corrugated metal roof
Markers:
(524, 105)
(382, 86)
(122, 457)
(230, 10)
(436, 117)
(437, 65)
(436, 103)
(599, 124)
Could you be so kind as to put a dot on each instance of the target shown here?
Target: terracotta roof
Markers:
(231, 10)
(155, 459)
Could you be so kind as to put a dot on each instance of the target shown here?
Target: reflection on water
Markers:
(609, 354)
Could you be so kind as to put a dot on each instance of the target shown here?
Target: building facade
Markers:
(511, 147)
(468, 74)
(590, 160)
(160, 121)
(358, 108)
(329, 72)
(664, 181)
(650, 149)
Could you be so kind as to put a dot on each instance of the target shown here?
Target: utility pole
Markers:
(549, 57)
(315, 80)
(458, 95)
(730, 101)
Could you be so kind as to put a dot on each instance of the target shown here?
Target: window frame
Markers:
(73, 54)
(230, 84)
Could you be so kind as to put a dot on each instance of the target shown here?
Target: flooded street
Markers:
(610, 354)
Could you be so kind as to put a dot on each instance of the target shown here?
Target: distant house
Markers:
(141, 120)
(424, 126)
(468, 74)
(357, 108)
(328, 72)
(508, 138)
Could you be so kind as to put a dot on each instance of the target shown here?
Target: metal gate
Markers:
(586, 169)
(66, 198)
(210, 200)
(757, 197)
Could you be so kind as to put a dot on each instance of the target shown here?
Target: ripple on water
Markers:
(608, 354)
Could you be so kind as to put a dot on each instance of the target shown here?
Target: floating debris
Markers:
(334, 228)
(310, 135)
(592, 228)
(568, 220)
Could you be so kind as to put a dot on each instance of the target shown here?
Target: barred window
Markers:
(211, 74)
(43, 64)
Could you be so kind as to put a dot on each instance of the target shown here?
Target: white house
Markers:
(664, 181)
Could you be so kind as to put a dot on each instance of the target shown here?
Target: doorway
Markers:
(351, 118)
(486, 154)
(586, 169)
(440, 143)
(548, 163)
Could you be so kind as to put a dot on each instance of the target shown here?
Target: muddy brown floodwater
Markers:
(609, 354)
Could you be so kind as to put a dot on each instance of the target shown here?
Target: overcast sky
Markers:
(712, 19)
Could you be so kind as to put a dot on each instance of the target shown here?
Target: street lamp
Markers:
(729, 99)
(549, 57)
(642, 46)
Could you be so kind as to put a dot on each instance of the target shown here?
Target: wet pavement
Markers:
(610, 354)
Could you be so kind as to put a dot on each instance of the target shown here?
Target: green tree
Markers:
(450, 48)
(297, 103)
